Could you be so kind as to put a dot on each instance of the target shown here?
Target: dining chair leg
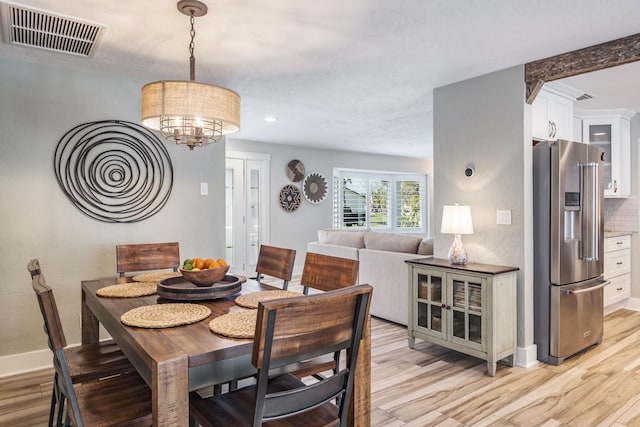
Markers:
(54, 402)
(61, 411)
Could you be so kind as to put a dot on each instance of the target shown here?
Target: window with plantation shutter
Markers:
(380, 201)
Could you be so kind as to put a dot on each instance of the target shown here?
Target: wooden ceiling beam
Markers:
(605, 55)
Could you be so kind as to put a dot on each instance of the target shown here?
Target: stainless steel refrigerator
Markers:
(568, 248)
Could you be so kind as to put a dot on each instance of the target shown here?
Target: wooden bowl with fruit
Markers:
(204, 272)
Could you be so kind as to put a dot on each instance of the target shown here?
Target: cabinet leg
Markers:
(512, 360)
(491, 368)
(412, 342)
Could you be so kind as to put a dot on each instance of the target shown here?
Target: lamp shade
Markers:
(180, 109)
(456, 220)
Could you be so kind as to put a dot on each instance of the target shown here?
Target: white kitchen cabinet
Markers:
(470, 308)
(552, 116)
(617, 269)
(611, 130)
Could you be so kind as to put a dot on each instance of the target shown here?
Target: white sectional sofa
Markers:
(381, 257)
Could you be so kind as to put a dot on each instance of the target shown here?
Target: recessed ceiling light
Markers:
(271, 119)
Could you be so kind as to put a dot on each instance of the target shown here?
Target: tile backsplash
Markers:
(621, 214)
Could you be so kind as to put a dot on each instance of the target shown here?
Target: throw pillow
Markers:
(426, 246)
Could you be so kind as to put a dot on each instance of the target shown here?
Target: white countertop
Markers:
(617, 233)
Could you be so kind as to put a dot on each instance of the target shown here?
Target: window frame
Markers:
(393, 178)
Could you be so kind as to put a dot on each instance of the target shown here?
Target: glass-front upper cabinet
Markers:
(612, 133)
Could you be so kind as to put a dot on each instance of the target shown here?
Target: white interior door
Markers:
(247, 214)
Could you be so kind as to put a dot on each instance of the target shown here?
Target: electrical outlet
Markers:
(204, 188)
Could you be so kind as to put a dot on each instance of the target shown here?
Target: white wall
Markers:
(37, 106)
(294, 229)
(485, 122)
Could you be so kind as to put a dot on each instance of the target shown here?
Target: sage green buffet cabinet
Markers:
(469, 308)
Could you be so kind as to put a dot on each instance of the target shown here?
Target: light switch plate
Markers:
(204, 188)
(503, 217)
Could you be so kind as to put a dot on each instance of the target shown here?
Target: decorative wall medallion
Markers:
(314, 187)
(114, 171)
(295, 170)
(290, 198)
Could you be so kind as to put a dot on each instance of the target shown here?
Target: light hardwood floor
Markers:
(433, 386)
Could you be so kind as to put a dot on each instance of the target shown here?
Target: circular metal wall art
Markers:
(315, 187)
(114, 171)
(290, 198)
(295, 170)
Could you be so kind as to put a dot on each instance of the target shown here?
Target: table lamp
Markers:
(457, 220)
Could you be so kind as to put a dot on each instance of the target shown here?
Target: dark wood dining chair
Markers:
(289, 330)
(100, 384)
(327, 273)
(324, 273)
(147, 256)
(276, 262)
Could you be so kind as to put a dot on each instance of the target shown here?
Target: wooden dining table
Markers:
(174, 361)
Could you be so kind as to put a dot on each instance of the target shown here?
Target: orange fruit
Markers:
(198, 263)
(222, 262)
(209, 262)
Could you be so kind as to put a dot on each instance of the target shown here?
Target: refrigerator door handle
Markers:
(582, 291)
(590, 211)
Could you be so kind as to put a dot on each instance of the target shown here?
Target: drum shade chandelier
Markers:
(189, 112)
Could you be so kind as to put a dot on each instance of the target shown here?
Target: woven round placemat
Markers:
(156, 276)
(165, 315)
(241, 324)
(251, 300)
(128, 290)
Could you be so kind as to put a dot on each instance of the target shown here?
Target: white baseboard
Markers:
(633, 304)
(527, 357)
(25, 362)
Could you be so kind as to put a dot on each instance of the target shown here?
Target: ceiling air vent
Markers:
(584, 97)
(27, 26)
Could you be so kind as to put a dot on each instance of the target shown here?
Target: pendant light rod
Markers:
(193, 9)
(192, 58)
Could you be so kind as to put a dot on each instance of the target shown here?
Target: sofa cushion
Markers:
(426, 246)
(392, 242)
(353, 239)
(333, 250)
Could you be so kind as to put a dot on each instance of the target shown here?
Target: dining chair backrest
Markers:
(147, 256)
(327, 273)
(55, 333)
(48, 308)
(291, 330)
(276, 262)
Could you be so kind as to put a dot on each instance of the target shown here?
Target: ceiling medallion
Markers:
(315, 187)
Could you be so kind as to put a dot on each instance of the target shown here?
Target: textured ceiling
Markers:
(350, 75)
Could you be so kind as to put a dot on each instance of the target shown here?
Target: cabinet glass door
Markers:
(601, 135)
(467, 309)
(430, 305)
